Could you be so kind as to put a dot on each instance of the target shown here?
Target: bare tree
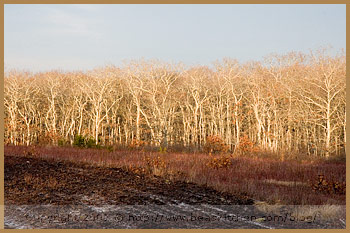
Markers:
(287, 102)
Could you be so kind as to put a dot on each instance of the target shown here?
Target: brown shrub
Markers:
(48, 138)
(215, 144)
(156, 165)
(219, 162)
(329, 187)
(137, 144)
(246, 146)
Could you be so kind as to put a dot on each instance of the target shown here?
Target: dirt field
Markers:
(43, 193)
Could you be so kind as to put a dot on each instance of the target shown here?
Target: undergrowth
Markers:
(290, 182)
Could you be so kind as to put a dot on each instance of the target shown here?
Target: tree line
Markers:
(290, 102)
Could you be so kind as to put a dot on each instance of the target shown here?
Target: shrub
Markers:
(79, 141)
(83, 142)
(162, 149)
(220, 162)
(49, 137)
(137, 144)
(110, 148)
(62, 142)
(329, 187)
(91, 143)
(215, 144)
(156, 165)
(246, 145)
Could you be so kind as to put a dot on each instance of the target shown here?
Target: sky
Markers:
(80, 37)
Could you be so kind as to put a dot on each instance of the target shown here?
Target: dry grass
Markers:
(272, 181)
(304, 212)
(286, 183)
(323, 212)
(269, 209)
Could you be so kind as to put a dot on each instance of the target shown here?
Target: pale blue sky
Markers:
(73, 37)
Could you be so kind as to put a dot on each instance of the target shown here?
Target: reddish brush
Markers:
(286, 182)
(215, 144)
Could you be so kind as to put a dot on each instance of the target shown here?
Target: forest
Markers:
(293, 102)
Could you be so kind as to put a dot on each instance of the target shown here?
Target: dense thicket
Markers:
(293, 102)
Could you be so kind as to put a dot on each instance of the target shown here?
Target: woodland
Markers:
(293, 102)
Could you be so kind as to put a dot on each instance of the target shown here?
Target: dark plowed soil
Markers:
(38, 181)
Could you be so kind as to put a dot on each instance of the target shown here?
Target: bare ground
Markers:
(42, 193)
